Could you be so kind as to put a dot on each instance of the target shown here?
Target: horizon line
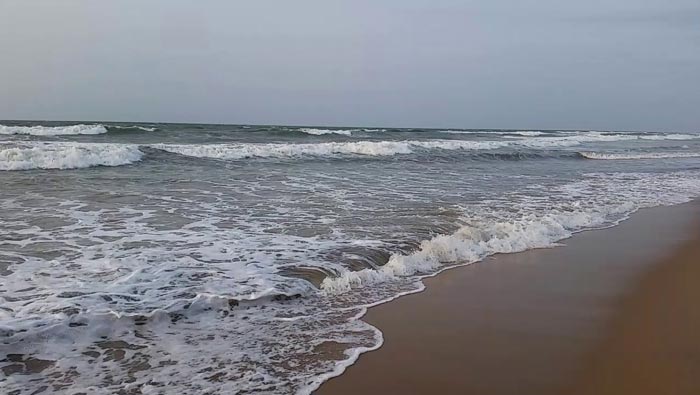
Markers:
(567, 129)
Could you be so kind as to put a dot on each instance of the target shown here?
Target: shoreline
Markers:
(515, 323)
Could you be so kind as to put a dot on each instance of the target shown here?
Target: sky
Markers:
(535, 64)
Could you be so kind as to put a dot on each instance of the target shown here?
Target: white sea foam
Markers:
(470, 244)
(670, 136)
(319, 132)
(564, 139)
(644, 155)
(381, 148)
(194, 278)
(529, 133)
(481, 238)
(343, 132)
(459, 144)
(575, 139)
(326, 149)
(160, 281)
(53, 130)
(572, 139)
(144, 128)
(195, 274)
(66, 155)
(243, 151)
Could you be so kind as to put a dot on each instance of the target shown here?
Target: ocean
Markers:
(171, 258)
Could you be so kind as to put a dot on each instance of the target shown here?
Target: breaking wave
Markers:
(235, 151)
(66, 155)
(45, 155)
(527, 133)
(483, 236)
(68, 130)
(132, 127)
(320, 132)
(139, 287)
(366, 148)
(342, 132)
(645, 155)
(670, 136)
(53, 130)
(470, 244)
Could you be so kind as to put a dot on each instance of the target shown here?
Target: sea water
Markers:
(163, 258)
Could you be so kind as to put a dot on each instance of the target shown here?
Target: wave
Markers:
(607, 136)
(223, 336)
(237, 151)
(320, 132)
(527, 133)
(67, 156)
(78, 129)
(470, 244)
(53, 130)
(530, 133)
(594, 137)
(329, 149)
(482, 235)
(526, 155)
(143, 128)
(645, 155)
(573, 136)
(342, 132)
(79, 155)
(45, 155)
(670, 136)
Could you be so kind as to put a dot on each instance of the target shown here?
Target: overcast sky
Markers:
(594, 64)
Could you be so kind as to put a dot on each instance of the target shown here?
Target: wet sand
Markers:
(613, 312)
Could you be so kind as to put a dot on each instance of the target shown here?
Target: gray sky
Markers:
(594, 64)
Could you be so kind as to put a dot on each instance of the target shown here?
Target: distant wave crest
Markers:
(643, 155)
(143, 128)
(320, 132)
(68, 130)
(670, 136)
(528, 133)
(53, 130)
(342, 132)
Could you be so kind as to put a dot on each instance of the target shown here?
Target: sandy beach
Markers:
(612, 312)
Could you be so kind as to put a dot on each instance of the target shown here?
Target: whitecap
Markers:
(66, 155)
(320, 132)
(328, 149)
(53, 130)
(144, 128)
(643, 155)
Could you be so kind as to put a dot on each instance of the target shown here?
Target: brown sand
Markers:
(613, 312)
(653, 346)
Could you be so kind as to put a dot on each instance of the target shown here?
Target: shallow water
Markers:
(146, 258)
